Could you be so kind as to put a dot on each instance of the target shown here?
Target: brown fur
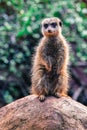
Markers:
(50, 63)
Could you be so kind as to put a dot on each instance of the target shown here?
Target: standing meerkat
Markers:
(50, 62)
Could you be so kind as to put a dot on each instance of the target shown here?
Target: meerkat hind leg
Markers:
(59, 95)
(42, 98)
(58, 92)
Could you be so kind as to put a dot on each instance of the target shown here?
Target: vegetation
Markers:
(20, 31)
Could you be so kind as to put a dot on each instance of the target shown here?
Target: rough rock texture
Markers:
(54, 114)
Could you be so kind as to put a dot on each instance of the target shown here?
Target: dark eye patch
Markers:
(54, 24)
(45, 25)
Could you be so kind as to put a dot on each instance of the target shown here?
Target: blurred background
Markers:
(20, 33)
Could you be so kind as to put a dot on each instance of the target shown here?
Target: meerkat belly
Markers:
(51, 79)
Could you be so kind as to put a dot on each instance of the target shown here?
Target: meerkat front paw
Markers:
(42, 98)
(49, 62)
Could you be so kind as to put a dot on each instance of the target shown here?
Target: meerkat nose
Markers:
(49, 31)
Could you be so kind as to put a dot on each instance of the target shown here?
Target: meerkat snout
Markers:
(49, 30)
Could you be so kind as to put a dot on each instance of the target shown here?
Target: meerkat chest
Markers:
(54, 48)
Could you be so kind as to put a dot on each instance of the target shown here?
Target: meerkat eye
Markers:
(60, 23)
(45, 25)
(54, 24)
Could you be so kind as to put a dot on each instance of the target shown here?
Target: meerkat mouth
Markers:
(51, 33)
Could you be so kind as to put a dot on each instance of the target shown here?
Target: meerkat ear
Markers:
(60, 23)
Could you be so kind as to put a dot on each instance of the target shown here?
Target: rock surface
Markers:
(29, 113)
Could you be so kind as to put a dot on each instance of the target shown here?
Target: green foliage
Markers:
(20, 22)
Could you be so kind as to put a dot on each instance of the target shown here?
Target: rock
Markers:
(29, 113)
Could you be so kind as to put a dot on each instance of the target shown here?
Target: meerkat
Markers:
(50, 74)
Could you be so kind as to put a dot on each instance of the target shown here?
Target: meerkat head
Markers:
(51, 27)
